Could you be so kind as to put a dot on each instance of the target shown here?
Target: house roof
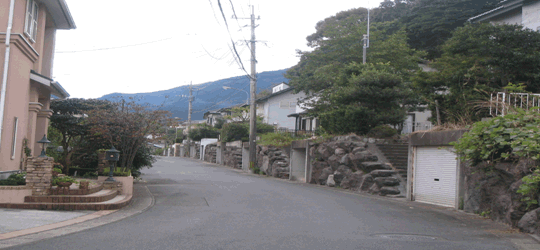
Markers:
(60, 14)
(56, 89)
(505, 7)
(274, 94)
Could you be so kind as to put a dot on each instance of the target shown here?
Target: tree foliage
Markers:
(203, 131)
(69, 124)
(366, 96)
(480, 59)
(126, 126)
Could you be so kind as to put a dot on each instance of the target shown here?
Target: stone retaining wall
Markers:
(346, 162)
(210, 153)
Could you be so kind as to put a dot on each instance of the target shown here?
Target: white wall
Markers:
(513, 17)
(276, 114)
(531, 16)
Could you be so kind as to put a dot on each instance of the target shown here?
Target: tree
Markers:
(478, 60)
(203, 131)
(430, 23)
(127, 126)
(70, 126)
(365, 97)
(320, 68)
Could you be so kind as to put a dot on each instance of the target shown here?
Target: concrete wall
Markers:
(127, 183)
(299, 158)
(14, 194)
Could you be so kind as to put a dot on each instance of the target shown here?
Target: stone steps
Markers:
(102, 197)
(112, 204)
(398, 155)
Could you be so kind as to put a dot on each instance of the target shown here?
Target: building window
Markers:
(30, 27)
(14, 143)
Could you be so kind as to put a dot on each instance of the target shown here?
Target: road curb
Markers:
(144, 201)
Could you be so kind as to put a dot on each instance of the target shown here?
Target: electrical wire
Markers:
(111, 48)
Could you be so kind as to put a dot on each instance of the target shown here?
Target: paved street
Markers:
(204, 206)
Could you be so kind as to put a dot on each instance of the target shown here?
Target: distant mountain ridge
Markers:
(207, 96)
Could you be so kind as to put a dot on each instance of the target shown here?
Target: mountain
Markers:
(207, 96)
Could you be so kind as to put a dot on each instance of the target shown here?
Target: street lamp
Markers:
(112, 156)
(247, 94)
(44, 141)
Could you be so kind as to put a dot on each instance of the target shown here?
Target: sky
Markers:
(136, 46)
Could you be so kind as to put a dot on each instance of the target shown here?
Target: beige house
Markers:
(524, 12)
(28, 33)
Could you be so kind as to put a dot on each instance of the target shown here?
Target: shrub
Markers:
(57, 180)
(14, 180)
(117, 172)
(204, 131)
(234, 132)
(277, 139)
(382, 131)
(240, 131)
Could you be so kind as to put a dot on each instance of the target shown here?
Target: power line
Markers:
(111, 48)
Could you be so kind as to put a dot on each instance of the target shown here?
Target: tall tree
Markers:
(480, 59)
(364, 97)
(431, 22)
(127, 126)
(69, 120)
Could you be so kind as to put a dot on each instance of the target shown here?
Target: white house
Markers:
(524, 12)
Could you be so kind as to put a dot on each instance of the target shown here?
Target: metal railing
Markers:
(502, 102)
(409, 127)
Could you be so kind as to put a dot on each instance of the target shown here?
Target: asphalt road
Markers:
(204, 206)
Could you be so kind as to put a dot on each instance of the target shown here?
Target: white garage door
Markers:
(435, 176)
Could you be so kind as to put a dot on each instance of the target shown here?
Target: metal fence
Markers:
(409, 127)
(502, 102)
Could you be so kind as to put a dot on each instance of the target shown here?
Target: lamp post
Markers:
(112, 156)
(247, 94)
(44, 141)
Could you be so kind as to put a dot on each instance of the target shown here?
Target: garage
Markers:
(435, 174)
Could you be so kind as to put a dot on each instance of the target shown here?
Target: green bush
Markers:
(240, 131)
(14, 180)
(203, 131)
(234, 132)
(80, 171)
(90, 175)
(503, 138)
(158, 151)
(382, 131)
(56, 180)
(117, 172)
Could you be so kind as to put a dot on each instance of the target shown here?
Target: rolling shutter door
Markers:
(435, 176)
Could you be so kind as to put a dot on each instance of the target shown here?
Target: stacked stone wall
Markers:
(346, 162)
(210, 153)
(232, 157)
(274, 161)
(39, 175)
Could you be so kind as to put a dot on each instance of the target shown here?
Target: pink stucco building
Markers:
(27, 33)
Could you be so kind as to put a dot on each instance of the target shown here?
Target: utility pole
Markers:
(189, 117)
(366, 40)
(253, 90)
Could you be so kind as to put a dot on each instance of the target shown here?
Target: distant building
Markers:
(524, 12)
(278, 108)
(26, 69)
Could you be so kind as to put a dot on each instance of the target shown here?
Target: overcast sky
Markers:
(134, 46)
